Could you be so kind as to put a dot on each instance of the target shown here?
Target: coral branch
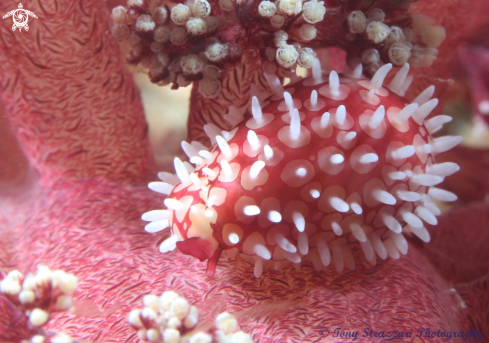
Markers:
(75, 111)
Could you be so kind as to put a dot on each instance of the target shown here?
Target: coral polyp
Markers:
(330, 168)
(159, 36)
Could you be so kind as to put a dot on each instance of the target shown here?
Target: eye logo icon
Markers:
(20, 17)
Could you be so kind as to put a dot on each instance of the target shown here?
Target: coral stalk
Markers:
(100, 133)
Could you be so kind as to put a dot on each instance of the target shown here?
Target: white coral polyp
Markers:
(145, 23)
(290, 7)
(180, 14)
(196, 26)
(399, 53)
(266, 9)
(313, 11)
(161, 34)
(160, 14)
(178, 36)
(306, 58)
(287, 55)
(216, 52)
(201, 8)
(357, 22)
(210, 88)
(377, 32)
(191, 64)
(119, 14)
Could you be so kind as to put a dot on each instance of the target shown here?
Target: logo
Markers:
(20, 17)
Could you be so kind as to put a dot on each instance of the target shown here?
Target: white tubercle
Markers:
(434, 124)
(397, 175)
(274, 216)
(411, 219)
(426, 215)
(157, 226)
(378, 246)
(334, 83)
(399, 78)
(315, 193)
(253, 140)
(226, 168)
(445, 143)
(212, 130)
(334, 90)
(408, 196)
(341, 115)
(325, 120)
(205, 154)
(407, 112)
(196, 181)
(368, 158)
(197, 160)
(404, 152)
(259, 119)
(224, 146)
(339, 204)
(358, 232)
(295, 125)
(268, 151)
(209, 172)
(161, 187)
(314, 98)
(443, 169)
(337, 256)
(405, 85)
(256, 168)
(169, 244)
(384, 197)
(189, 150)
(441, 194)
(173, 204)
(317, 74)
(299, 221)
(392, 223)
(251, 210)
(182, 172)
(316, 70)
(377, 117)
(284, 243)
(172, 179)
(256, 110)
(233, 238)
(262, 251)
(427, 179)
(275, 84)
(424, 96)
(347, 140)
(289, 102)
(337, 159)
(424, 111)
(155, 215)
(380, 75)
(324, 253)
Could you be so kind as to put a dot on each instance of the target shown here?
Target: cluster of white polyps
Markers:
(173, 42)
(171, 319)
(416, 45)
(38, 295)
